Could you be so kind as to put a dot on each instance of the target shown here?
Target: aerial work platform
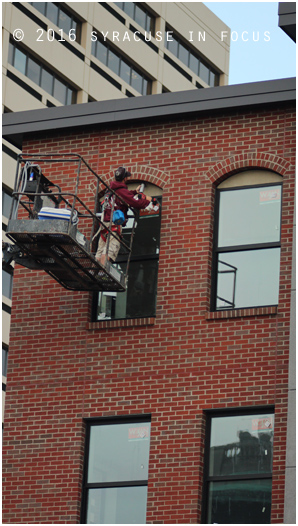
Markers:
(51, 240)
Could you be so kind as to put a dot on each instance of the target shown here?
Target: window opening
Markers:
(116, 471)
(60, 17)
(111, 58)
(238, 467)
(139, 14)
(247, 246)
(40, 75)
(139, 299)
(192, 60)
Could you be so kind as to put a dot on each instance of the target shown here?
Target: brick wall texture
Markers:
(62, 368)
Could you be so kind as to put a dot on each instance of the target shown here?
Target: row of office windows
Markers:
(192, 60)
(24, 62)
(246, 257)
(62, 18)
(112, 59)
(238, 469)
(139, 14)
(121, 67)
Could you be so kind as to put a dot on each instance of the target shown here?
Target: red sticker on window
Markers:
(262, 424)
(138, 433)
(267, 196)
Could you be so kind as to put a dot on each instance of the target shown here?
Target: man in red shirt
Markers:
(118, 186)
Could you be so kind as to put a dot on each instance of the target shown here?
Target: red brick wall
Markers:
(62, 368)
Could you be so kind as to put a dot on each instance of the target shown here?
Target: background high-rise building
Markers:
(77, 52)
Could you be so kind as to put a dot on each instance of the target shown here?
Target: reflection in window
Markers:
(239, 479)
(191, 60)
(39, 74)
(247, 248)
(139, 300)
(120, 66)
(116, 471)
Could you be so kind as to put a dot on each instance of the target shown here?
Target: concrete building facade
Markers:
(190, 398)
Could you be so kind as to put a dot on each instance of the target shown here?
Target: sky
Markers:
(273, 56)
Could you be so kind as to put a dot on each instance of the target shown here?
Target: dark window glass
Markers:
(136, 80)
(240, 502)
(42, 77)
(204, 73)
(6, 203)
(125, 72)
(47, 81)
(7, 284)
(20, 60)
(52, 13)
(239, 474)
(128, 8)
(70, 97)
(115, 491)
(40, 6)
(113, 62)
(101, 52)
(120, 67)
(212, 79)
(10, 53)
(33, 70)
(194, 63)
(140, 16)
(64, 22)
(145, 87)
(139, 300)
(183, 54)
(4, 360)
(59, 91)
(172, 45)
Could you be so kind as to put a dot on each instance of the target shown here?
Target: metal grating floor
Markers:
(53, 245)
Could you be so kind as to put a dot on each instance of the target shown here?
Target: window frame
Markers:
(191, 55)
(149, 17)
(104, 421)
(207, 479)
(138, 258)
(216, 251)
(28, 55)
(73, 20)
(146, 82)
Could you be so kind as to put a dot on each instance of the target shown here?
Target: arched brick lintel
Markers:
(145, 173)
(224, 169)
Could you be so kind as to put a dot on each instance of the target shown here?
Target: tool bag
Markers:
(107, 204)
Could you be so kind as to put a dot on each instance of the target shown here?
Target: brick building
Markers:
(170, 406)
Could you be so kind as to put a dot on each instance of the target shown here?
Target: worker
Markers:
(119, 186)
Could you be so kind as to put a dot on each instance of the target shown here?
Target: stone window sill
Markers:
(241, 313)
(115, 324)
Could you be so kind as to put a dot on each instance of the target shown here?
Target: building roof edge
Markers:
(17, 124)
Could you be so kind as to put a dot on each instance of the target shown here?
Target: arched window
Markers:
(139, 300)
(246, 255)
